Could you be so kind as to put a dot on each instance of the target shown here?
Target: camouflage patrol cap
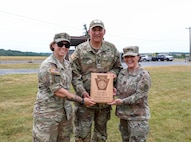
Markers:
(62, 37)
(131, 51)
(96, 23)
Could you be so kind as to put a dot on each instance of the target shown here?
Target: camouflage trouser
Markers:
(134, 131)
(84, 118)
(52, 128)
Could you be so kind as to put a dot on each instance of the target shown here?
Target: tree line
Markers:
(20, 53)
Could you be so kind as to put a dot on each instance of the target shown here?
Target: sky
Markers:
(153, 25)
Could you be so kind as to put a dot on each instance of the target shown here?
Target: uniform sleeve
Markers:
(143, 86)
(77, 81)
(49, 78)
(116, 66)
(117, 63)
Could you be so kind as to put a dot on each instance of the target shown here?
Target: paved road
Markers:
(35, 71)
(18, 71)
(161, 63)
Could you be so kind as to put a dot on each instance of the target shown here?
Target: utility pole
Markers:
(86, 31)
(190, 42)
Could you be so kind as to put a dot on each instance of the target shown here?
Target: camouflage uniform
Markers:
(134, 113)
(52, 114)
(84, 61)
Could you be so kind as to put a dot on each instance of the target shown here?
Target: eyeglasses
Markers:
(61, 44)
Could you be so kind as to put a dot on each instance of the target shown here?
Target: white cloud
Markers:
(154, 25)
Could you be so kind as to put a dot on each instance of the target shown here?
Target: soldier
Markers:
(132, 108)
(52, 112)
(93, 56)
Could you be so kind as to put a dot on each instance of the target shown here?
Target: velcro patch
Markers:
(73, 56)
(54, 71)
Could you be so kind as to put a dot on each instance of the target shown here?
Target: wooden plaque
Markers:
(101, 87)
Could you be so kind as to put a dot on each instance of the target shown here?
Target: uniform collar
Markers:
(103, 47)
(57, 62)
(135, 72)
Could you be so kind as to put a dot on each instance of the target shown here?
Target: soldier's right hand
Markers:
(89, 102)
(116, 102)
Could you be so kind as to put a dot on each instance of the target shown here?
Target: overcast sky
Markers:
(153, 25)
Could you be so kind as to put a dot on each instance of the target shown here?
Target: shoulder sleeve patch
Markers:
(73, 56)
(55, 71)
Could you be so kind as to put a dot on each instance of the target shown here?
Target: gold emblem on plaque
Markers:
(102, 82)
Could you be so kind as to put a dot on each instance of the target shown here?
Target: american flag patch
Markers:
(54, 71)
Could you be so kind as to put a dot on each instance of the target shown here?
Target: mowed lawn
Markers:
(169, 99)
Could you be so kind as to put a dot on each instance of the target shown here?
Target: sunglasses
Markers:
(61, 44)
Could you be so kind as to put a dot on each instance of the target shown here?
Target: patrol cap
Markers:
(96, 23)
(62, 37)
(131, 51)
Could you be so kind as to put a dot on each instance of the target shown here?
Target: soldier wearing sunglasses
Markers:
(52, 112)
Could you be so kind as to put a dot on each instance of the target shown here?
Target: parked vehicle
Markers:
(168, 57)
(145, 58)
(162, 57)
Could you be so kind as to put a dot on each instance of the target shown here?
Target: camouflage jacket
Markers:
(52, 76)
(133, 89)
(86, 60)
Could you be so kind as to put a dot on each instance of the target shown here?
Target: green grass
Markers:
(169, 99)
(17, 95)
(20, 66)
(30, 62)
(170, 104)
(22, 58)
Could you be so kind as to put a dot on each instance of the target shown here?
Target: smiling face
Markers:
(60, 50)
(132, 62)
(96, 34)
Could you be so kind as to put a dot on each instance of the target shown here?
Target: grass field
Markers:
(22, 58)
(169, 99)
(20, 62)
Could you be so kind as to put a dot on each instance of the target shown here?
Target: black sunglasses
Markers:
(61, 44)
